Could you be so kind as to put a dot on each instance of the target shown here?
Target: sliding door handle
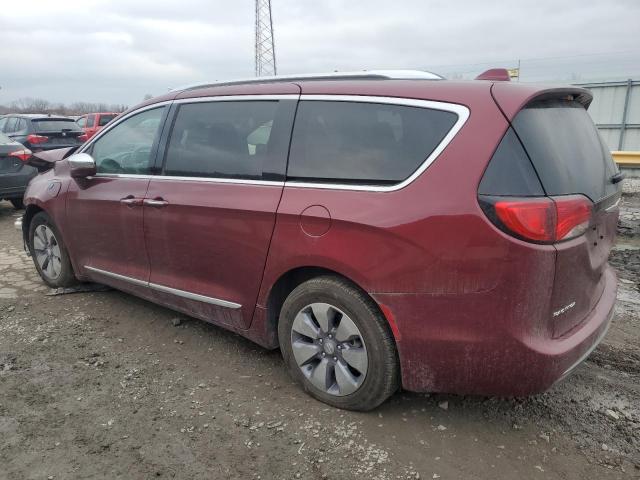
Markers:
(155, 203)
(131, 201)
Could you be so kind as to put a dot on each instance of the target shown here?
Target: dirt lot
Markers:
(104, 385)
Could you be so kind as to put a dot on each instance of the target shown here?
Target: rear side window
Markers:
(230, 139)
(363, 143)
(55, 125)
(510, 171)
(104, 119)
(21, 125)
(566, 149)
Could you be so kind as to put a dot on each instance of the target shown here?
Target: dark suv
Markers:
(381, 229)
(41, 132)
(14, 171)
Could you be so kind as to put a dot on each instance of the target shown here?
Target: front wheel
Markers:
(337, 344)
(49, 252)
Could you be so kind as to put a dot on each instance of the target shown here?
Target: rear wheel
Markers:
(17, 203)
(337, 344)
(49, 252)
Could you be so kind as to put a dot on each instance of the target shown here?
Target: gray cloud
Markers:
(118, 50)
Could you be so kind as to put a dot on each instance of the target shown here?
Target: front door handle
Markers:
(131, 201)
(155, 203)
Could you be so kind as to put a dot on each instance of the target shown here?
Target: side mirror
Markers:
(82, 165)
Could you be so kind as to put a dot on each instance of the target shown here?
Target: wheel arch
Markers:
(31, 211)
(290, 279)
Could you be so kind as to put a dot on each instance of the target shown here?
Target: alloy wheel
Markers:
(47, 252)
(329, 349)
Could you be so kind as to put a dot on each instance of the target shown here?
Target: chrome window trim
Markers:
(460, 110)
(162, 288)
(238, 98)
(117, 121)
(165, 178)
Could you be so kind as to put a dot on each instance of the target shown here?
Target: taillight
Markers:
(83, 138)
(36, 139)
(23, 155)
(540, 219)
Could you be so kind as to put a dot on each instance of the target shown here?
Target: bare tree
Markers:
(39, 105)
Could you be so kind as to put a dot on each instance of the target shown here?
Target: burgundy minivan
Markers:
(383, 229)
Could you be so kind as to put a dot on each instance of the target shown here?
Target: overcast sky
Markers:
(117, 51)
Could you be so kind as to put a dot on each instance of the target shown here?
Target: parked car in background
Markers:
(14, 171)
(91, 123)
(39, 132)
(382, 229)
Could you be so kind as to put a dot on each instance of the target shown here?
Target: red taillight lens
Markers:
(573, 216)
(23, 155)
(540, 219)
(530, 219)
(37, 139)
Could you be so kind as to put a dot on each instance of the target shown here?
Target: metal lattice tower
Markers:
(265, 46)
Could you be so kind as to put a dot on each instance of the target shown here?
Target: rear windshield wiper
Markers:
(617, 178)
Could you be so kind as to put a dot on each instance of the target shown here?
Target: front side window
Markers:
(224, 140)
(127, 147)
(91, 121)
(363, 143)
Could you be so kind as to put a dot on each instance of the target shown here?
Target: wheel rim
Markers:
(329, 349)
(47, 252)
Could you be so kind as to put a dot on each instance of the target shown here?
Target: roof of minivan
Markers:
(511, 96)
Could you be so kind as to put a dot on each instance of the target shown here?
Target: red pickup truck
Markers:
(91, 123)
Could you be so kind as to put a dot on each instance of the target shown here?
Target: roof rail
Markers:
(363, 75)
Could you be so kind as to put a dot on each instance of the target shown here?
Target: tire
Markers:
(17, 203)
(331, 358)
(42, 234)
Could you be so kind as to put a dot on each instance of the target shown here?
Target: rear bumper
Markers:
(484, 357)
(14, 184)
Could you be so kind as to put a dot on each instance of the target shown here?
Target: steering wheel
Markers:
(109, 165)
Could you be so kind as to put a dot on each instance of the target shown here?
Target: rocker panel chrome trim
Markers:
(162, 288)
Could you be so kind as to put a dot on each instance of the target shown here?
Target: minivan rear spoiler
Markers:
(513, 97)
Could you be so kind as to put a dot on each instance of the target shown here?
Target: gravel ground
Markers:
(105, 385)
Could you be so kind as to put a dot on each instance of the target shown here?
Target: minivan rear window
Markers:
(566, 149)
(363, 143)
(55, 125)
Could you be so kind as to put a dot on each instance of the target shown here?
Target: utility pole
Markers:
(265, 45)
